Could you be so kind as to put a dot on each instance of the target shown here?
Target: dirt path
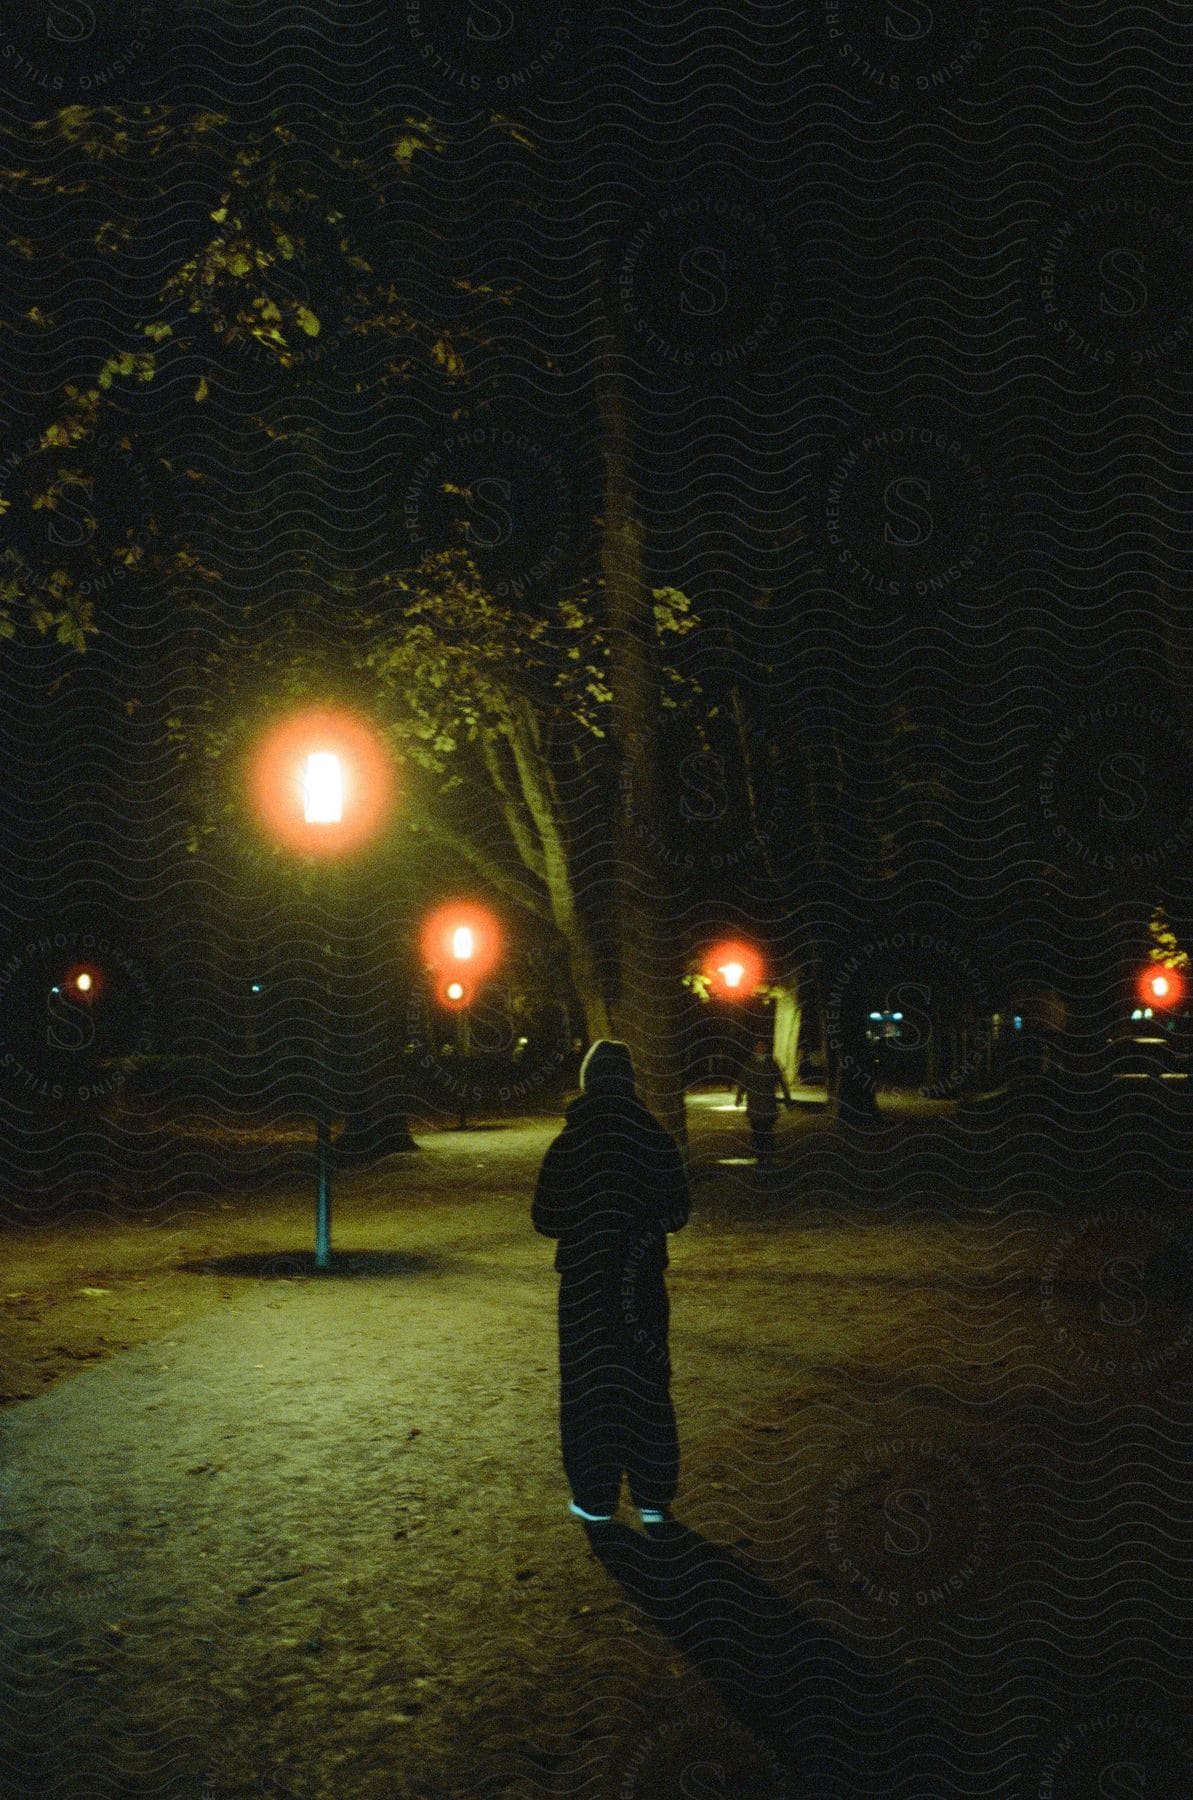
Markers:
(308, 1537)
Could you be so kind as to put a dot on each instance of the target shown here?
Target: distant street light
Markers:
(84, 982)
(322, 784)
(734, 970)
(1161, 986)
(461, 942)
(461, 932)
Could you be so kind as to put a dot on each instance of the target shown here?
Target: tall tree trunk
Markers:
(648, 1008)
(598, 1013)
(540, 794)
(788, 1014)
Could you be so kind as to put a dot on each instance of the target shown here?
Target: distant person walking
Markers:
(612, 1185)
(756, 1084)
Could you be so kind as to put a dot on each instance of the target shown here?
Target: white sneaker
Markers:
(590, 1518)
(654, 1515)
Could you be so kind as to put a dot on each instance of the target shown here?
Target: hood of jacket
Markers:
(588, 1109)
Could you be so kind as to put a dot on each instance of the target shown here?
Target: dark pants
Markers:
(762, 1133)
(615, 1410)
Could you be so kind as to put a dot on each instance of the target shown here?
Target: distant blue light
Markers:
(1017, 1022)
(898, 1017)
(876, 1015)
(256, 987)
(55, 990)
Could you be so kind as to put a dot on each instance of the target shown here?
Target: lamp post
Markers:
(322, 785)
(1161, 987)
(461, 943)
(458, 995)
(323, 804)
(84, 982)
(733, 970)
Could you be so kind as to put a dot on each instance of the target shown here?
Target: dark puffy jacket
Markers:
(612, 1186)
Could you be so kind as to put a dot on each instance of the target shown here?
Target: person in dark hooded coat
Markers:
(612, 1185)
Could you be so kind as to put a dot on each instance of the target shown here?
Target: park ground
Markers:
(265, 1531)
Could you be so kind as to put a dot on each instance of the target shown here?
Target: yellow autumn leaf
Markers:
(308, 321)
(158, 331)
(201, 390)
(513, 130)
(284, 244)
(239, 263)
(219, 215)
(443, 353)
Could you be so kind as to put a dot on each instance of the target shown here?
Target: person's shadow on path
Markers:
(837, 1725)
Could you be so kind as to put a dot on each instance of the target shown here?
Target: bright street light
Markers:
(733, 970)
(321, 783)
(84, 982)
(1161, 985)
(461, 941)
(323, 789)
(461, 931)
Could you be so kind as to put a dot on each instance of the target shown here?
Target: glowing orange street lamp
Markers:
(1161, 987)
(83, 982)
(733, 969)
(321, 783)
(323, 788)
(461, 941)
(462, 937)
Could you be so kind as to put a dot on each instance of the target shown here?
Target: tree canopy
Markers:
(275, 255)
